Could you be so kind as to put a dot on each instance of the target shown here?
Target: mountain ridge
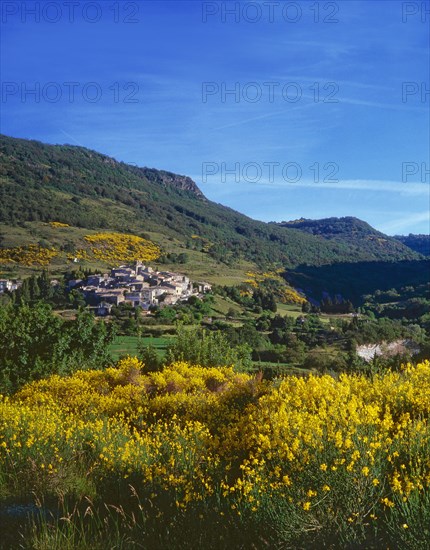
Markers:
(84, 188)
(347, 229)
(419, 243)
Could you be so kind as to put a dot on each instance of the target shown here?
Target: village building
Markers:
(5, 285)
(74, 283)
(138, 285)
(112, 296)
(9, 285)
(135, 299)
(202, 288)
(103, 309)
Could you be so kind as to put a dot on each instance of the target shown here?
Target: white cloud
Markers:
(384, 186)
(407, 221)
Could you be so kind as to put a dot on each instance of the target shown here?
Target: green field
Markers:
(201, 266)
(127, 345)
(294, 310)
(221, 306)
(291, 310)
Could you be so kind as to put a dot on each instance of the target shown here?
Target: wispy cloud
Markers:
(263, 116)
(72, 138)
(406, 222)
(383, 186)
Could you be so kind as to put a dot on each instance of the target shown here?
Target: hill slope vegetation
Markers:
(358, 235)
(86, 189)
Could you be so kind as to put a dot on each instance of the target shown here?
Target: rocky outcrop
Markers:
(162, 177)
(387, 349)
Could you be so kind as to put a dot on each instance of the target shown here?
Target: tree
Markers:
(28, 336)
(76, 298)
(34, 288)
(306, 307)
(148, 355)
(22, 295)
(207, 349)
(263, 323)
(231, 313)
(46, 290)
(89, 341)
(265, 299)
(166, 314)
(35, 343)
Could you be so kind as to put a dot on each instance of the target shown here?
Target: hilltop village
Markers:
(138, 285)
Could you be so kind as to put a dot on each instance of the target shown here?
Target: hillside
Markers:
(353, 280)
(358, 235)
(418, 243)
(88, 190)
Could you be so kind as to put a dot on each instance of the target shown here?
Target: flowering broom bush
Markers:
(117, 247)
(29, 255)
(210, 456)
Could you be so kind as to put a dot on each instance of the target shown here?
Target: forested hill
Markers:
(83, 188)
(418, 243)
(358, 235)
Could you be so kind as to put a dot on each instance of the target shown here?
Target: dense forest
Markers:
(353, 281)
(419, 243)
(357, 234)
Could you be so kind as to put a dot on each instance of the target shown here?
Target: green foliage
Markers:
(264, 299)
(368, 331)
(149, 356)
(29, 340)
(108, 194)
(35, 343)
(408, 302)
(418, 243)
(166, 315)
(127, 319)
(337, 305)
(172, 258)
(357, 234)
(36, 287)
(190, 312)
(76, 299)
(209, 349)
(354, 280)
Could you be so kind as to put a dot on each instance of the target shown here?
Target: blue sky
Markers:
(278, 109)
